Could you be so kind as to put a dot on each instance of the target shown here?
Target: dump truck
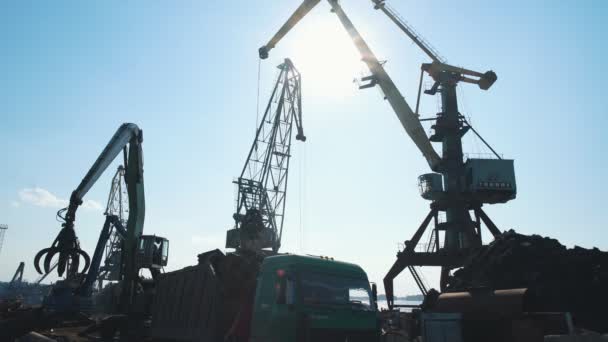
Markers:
(286, 297)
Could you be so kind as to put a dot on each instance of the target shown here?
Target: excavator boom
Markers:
(117, 143)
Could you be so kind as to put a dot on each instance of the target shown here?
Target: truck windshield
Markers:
(327, 289)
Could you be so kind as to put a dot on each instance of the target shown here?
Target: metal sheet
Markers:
(484, 302)
(186, 305)
(442, 327)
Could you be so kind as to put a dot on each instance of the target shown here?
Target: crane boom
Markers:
(299, 13)
(406, 116)
(439, 64)
(409, 31)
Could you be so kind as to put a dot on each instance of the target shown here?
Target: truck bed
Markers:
(187, 304)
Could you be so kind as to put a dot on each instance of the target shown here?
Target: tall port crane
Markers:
(137, 250)
(262, 185)
(456, 187)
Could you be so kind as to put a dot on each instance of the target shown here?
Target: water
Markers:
(382, 304)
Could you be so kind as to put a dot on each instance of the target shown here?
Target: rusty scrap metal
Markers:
(558, 279)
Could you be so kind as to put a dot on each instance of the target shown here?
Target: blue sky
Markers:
(186, 73)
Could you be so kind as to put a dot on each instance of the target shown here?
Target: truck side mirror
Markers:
(375, 296)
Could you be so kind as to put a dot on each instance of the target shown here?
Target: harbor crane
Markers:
(262, 184)
(222, 288)
(456, 187)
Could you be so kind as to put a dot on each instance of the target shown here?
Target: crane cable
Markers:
(257, 105)
(302, 197)
(498, 156)
(477, 148)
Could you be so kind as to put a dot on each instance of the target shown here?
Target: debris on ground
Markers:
(559, 279)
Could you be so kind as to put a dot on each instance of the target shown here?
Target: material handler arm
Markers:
(66, 244)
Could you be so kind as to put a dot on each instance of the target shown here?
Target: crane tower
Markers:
(262, 185)
(456, 187)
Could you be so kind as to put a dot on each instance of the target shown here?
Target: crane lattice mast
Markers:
(262, 185)
(118, 205)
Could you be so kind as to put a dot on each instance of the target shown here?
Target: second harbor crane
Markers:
(222, 287)
(456, 187)
(262, 184)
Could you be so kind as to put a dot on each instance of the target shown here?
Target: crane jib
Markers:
(409, 120)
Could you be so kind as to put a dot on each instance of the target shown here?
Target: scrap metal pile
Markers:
(559, 279)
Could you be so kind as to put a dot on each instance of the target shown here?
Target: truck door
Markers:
(283, 313)
(264, 304)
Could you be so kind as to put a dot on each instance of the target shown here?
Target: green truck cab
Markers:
(306, 299)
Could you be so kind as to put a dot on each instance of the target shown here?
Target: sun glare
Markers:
(326, 57)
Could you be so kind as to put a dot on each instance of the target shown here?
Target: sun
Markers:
(324, 54)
